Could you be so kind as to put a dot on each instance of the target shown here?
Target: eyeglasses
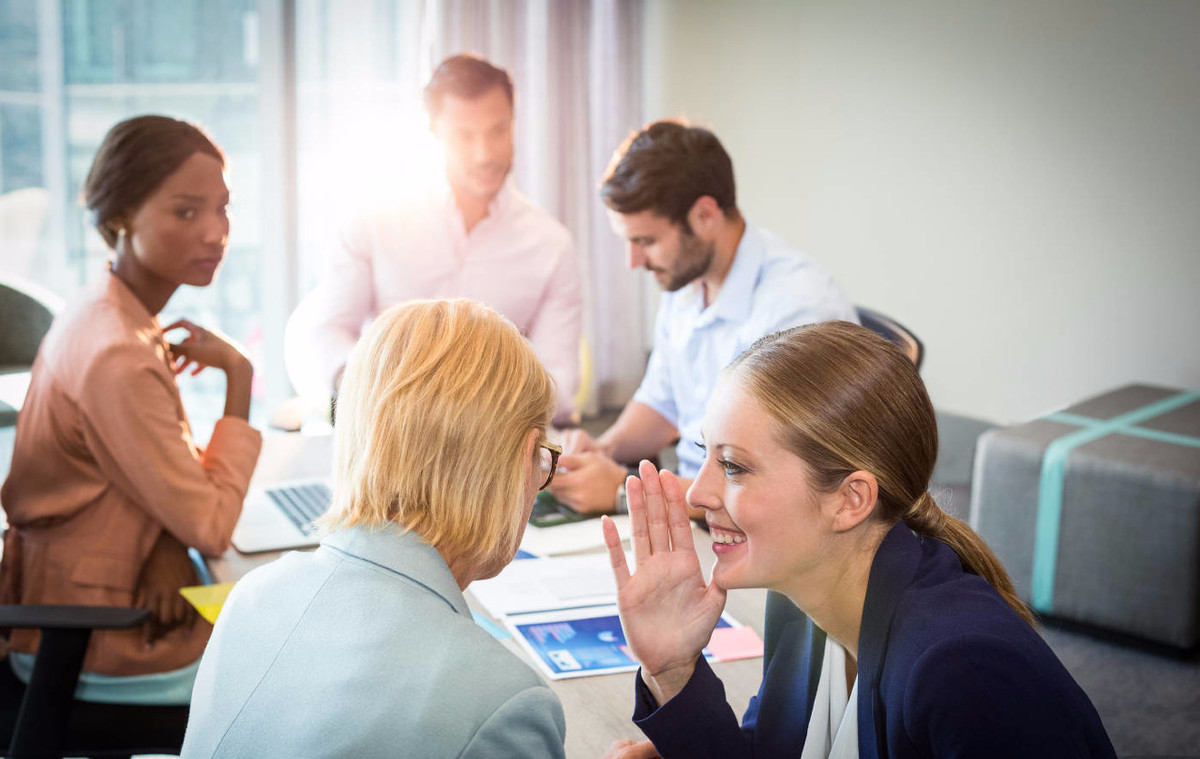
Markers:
(548, 454)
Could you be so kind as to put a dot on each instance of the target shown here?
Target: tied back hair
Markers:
(134, 159)
(847, 400)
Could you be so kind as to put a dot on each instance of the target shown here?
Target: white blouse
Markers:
(833, 725)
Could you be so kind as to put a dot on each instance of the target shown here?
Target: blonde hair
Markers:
(435, 406)
(847, 400)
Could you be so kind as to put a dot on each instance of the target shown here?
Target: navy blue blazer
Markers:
(945, 669)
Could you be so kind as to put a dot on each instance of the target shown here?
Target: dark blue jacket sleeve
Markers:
(697, 722)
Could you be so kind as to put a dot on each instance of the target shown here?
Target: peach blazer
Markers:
(103, 461)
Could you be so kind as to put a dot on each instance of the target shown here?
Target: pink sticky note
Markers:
(729, 643)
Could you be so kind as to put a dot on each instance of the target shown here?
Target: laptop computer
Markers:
(280, 516)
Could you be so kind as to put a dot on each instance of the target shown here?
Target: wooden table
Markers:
(597, 708)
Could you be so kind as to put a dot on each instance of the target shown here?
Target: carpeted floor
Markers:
(1149, 699)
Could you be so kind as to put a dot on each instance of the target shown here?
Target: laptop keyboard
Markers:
(302, 504)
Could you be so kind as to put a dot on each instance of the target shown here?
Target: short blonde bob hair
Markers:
(432, 417)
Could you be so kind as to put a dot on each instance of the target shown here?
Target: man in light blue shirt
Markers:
(670, 194)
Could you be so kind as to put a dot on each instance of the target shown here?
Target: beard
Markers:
(695, 256)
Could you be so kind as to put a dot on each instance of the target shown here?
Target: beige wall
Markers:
(1018, 182)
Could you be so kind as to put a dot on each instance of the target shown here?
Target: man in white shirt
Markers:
(670, 195)
(477, 237)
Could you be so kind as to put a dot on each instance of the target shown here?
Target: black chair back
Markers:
(26, 312)
(43, 719)
(890, 329)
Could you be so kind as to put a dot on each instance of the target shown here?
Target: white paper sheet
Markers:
(570, 538)
(547, 584)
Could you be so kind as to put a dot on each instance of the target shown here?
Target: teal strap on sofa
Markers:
(1054, 466)
(1159, 435)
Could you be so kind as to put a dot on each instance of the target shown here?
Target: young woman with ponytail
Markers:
(891, 629)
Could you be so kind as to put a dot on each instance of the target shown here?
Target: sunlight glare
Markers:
(375, 156)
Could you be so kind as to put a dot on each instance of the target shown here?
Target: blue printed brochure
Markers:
(579, 642)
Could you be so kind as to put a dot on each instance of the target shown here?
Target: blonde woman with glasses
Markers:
(366, 646)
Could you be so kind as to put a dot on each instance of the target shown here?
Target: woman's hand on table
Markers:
(667, 611)
(631, 750)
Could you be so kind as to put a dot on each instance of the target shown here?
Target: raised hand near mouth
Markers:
(667, 610)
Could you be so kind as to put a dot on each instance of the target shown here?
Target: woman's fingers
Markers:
(182, 364)
(153, 602)
(184, 353)
(677, 516)
(179, 610)
(636, 499)
(656, 508)
(616, 554)
(657, 512)
(182, 324)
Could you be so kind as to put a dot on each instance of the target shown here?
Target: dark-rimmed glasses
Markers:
(548, 457)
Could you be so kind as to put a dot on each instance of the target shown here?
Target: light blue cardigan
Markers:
(363, 648)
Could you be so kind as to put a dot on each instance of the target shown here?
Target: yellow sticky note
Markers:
(208, 599)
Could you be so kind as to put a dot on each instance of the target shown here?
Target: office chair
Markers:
(894, 331)
(26, 311)
(44, 720)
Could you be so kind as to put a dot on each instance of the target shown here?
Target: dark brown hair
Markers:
(465, 76)
(848, 400)
(136, 156)
(665, 168)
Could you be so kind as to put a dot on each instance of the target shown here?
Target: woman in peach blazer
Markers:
(107, 486)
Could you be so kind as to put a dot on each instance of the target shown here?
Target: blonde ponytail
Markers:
(927, 519)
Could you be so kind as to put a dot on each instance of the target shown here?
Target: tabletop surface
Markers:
(598, 708)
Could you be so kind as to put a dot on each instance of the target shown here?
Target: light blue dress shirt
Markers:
(364, 648)
(770, 286)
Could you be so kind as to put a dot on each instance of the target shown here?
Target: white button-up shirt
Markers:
(770, 286)
(518, 260)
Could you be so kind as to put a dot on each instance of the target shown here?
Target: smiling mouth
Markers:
(726, 537)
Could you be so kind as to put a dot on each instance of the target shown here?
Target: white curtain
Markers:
(576, 65)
